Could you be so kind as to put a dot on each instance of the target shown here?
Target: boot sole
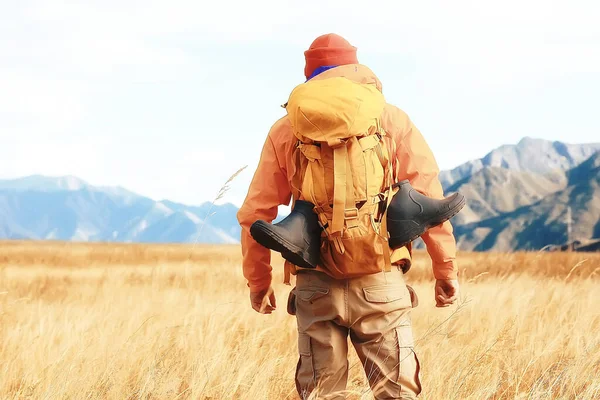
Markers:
(262, 233)
(418, 230)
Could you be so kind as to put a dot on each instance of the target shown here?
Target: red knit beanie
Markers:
(328, 50)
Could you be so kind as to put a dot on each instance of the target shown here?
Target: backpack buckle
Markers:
(323, 223)
(351, 213)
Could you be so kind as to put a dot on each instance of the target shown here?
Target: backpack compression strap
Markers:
(385, 153)
(344, 205)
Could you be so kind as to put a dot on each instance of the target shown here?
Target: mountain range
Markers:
(539, 156)
(545, 221)
(517, 198)
(67, 208)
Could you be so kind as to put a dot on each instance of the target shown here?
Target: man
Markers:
(374, 310)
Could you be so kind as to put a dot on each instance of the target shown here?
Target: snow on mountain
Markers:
(68, 208)
(193, 217)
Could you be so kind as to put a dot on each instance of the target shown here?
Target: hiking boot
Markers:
(411, 214)
(297, 237)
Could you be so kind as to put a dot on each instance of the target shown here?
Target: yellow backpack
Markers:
(343, 166)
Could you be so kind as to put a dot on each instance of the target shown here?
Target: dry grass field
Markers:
(80, 321)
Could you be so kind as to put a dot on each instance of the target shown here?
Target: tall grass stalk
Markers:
(220, 194)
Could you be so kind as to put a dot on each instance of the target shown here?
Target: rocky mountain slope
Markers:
(544, 222)
(531, 155)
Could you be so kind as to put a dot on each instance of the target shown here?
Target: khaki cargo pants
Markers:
(374, 311)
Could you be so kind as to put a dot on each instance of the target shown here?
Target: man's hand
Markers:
(264, 301)
(446, 292)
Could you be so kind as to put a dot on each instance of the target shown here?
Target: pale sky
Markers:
(168, 99)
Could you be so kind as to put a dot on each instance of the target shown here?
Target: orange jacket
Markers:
(270, 186)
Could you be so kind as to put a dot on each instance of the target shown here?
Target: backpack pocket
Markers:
(363, 252)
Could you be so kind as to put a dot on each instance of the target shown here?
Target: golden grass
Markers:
(113, 321)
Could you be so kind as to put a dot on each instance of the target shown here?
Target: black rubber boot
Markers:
(411, 214)
(297, 237)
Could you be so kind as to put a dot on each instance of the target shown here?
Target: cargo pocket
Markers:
(311, 294)
(414, 299)
(311, 303)
(387, 298)
(291, 303)
(409, 369)
(305, 371)
(384, 293)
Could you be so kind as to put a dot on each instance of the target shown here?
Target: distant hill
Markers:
(492, 191)
(531, 155)
(67, 208)
(545, 221)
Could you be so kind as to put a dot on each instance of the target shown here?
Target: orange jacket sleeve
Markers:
(268, 189)
(417, 163)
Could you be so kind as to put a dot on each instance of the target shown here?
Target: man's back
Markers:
(414, 161)
(374, 310)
